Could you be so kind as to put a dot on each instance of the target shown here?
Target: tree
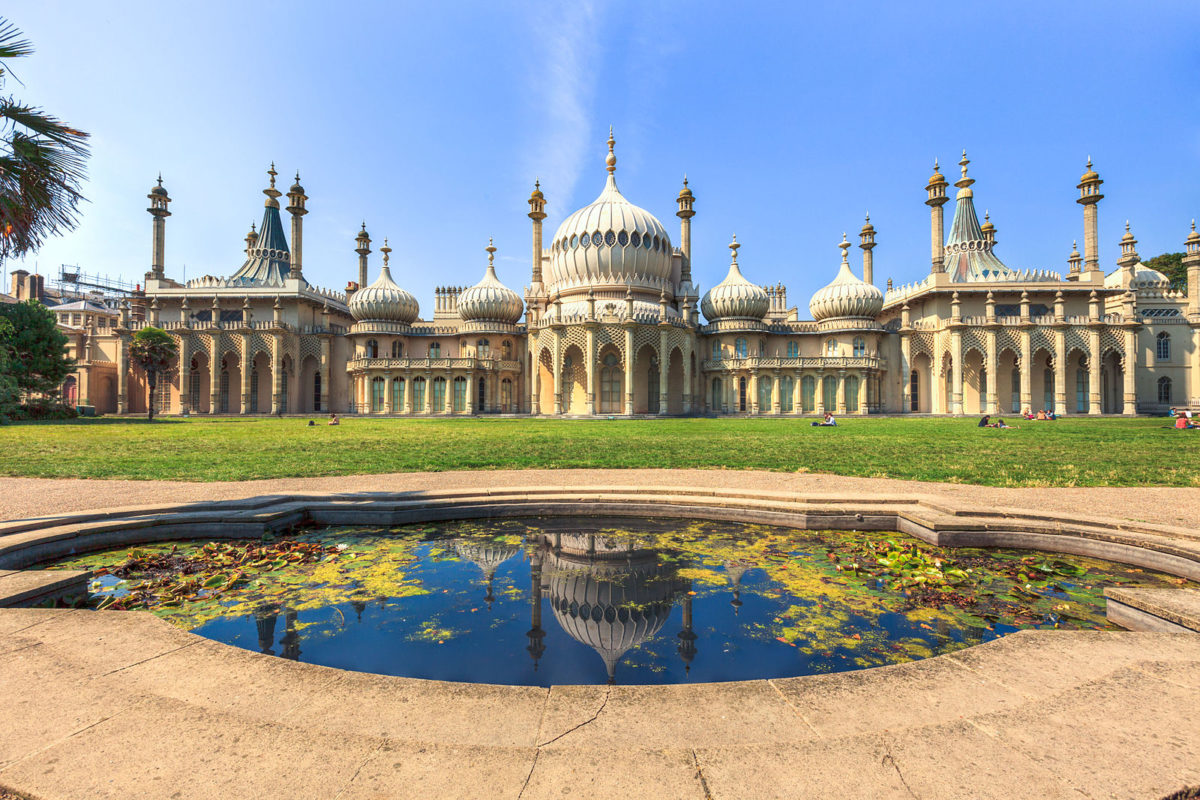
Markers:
(8, 386)
(36, 349)
(1171, 265)
(153, 350)
(41, 164)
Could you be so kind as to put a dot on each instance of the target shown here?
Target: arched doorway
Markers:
(612, 377)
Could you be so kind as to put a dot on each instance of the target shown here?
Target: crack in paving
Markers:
(888, 757)
(793, 707)
(151, 658)
(49, 618)
(590, 720)
(700, 775)
(537, 752)
(364, 763)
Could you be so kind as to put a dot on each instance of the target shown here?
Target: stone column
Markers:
(1094, 406)
(557, 362)
(752, 392)
(1060, 371)
(448, 406)
(406, 398)
(326, 388)
(797, 393)
(388, 399)
(664, 371)
(841, 395)
(590, 395)
(906, 373)
(123, 374)
(185, 375)
(819, 394)
(470, 398)
(776, 405)
(247, 368)
(276, 372)
(1130, 372)
(1026, 370)
(688, 380)
(429, 392)
(214, 376)
(629, 370)
(956, 373)
(993, 367)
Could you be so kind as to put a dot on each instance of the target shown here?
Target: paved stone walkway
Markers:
(34, 497)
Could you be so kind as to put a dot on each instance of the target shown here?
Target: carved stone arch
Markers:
(1041, 339)
(1076, 339)
(1008, 339)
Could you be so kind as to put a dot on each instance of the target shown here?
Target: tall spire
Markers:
(964, 183)
(491, 251)
(612, 157)
(271, 192)
(268, 261)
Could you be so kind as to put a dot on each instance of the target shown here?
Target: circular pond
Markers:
(568, 601)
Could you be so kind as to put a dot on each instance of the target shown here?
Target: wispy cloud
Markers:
(565, 88)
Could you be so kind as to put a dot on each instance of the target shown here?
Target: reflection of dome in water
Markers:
(734, 570)
(487, 555)
(610, 606)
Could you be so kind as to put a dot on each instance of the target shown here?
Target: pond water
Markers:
(570, 601)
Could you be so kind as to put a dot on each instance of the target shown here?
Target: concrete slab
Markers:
(421, 771)
(29, 586)
(13, 620)
(100, 642)
(587, 773)
(1181, 607)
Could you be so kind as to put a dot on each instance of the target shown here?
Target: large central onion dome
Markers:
(611, 244)
(383, 300)
(735, 297)
(490, 300)
(846, 295)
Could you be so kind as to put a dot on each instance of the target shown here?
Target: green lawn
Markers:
(1070, 452)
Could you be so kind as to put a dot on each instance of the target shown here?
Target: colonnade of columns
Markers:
(852, 396)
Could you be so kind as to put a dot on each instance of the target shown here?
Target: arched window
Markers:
(1164, 390)
(194, 384)
(460, 395)
(377, 394)
(652, 387)
(439, 395)
(317, 391)
(611, 377)
(742, 395)
(830, 347)
(764, 394)
(762, 347)
(254, 390)
(418, 395)
(506, 393)
(852, 394)
(481, 397)
(787, 389)
(860, 347)
(397, 349)
(1081, 387)
(808, 394)
(506, 351)
(566, 385)
(483, 349)
(1048, 393)
(829, 393)
(1016, 391)
(740, 348)
(283, 391)
(372, 350)
(397, 395)
(715, 402)
(1162, 347)
(793, 349)
(435, 350)
(716, 350)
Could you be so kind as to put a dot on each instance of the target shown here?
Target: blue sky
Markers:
(430, 121)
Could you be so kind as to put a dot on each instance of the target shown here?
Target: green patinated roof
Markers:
(269, 261)
(968, 255)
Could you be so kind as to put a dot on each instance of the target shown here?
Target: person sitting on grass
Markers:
(333, 419)
(829, 421)
(999, 423)
(1182, 423)
(985, 421)
(1042, 416)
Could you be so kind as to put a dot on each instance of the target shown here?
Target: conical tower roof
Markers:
(269, 260)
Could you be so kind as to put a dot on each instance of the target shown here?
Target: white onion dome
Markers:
(384, 300)
(610, 243)
(490, 300)
(1143, 278)
(735, 297)
(846, 295)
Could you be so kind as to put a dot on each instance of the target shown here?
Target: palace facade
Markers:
(612, 324)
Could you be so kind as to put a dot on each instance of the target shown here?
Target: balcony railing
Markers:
(804, 362)
(433, 364)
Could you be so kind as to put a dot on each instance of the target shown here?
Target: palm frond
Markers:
(12, 44)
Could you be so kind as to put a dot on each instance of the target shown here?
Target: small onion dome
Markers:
(937, 176)
(158, 188)
(987, 223)
(1193, 237)
(735, 297)
(685, 191)
(490, 300)
(296, 187)
(537, 191)
(1091, 174)
(846, 296)
(383, 300)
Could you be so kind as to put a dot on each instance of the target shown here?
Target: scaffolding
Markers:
(75, 284)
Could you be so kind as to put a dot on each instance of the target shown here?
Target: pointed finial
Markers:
(685, 180)
(1193, 226)
(733, 246)
(1089, 163)
(845, 245)
(491, 251)
(612, 158)
(935, 164)
(386, 252)
(868, 218)
(272, 173)
(1127, 226)
(963, 163)
(297, 176)
(252, 227)
(537, 184)
(160, 179)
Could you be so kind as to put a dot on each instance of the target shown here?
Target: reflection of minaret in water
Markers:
(734, 570)
(264, 620)
(291, 638)
(687, 637)
(536, 646)
(359, 606)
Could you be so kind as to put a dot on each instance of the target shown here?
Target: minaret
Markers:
(537, 647)
(867, 235)
(1089, 197)
(363, 240)
(685, 214)
(251, 239)
(937, 219)
(1191, 262)
(989, 230)
(1073, 262)
(158, 209)
(1129, 256)
(537, 213)
(687, 637)
(296, 198)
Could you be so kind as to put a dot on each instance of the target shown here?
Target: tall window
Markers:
(652, 387)
(762, 347)
(808, 394)
(716, 400)
(435, 350)
(283, 391)
(983, 380)
(397, 395)
(742, 395)
(852, 384)
(716, 350)
(377, 392)
(372, 348)
(194, 384)
(764, 394)
(506, 350)
(506, 394)
(223, 392)
(830, 347)
(860, 347)
(610, 385)
(1162, 347)
(481, 396)
(740, 349)
(254, 390)
(914, 391)
(418, 395)
(1081, 388)
(1164, 390)
(439, 395)
(483, 349)
(787, 388)
(793, 349)
(1016, 390)
(567, 383)
(829, 393)
(316, 391)
(397, 349)
(460, 395)
(1048, 393)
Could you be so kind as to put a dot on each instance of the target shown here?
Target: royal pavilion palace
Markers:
(611, 323)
